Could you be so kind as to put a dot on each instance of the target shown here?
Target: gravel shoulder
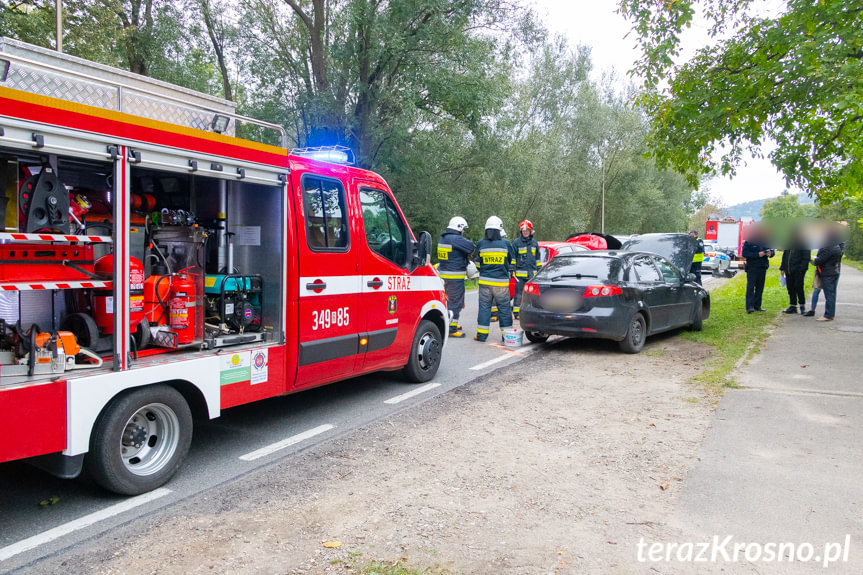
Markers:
(560, 463)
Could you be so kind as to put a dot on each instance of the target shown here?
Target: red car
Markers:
(548, 250)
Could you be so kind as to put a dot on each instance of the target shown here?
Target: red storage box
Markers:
(38, 262)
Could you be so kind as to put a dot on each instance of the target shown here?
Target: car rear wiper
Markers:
(576, 276)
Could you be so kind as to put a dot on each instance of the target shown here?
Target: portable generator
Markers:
(234, 304)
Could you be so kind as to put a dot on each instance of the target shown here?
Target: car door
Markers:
(654, 295)
(390, 298)
(679, 300)
(329, 311)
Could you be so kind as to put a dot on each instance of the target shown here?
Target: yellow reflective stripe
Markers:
(521, 274)
(522, 250)
(698, 258)
(516, 309)
(453, 276)
(482, 330)
(493, 283)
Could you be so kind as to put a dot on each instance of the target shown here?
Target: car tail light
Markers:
(600, 291)
(531, 288)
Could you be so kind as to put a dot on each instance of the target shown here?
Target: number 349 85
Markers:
(327, 318)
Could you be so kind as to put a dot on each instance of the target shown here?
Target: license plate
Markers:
(561, 301)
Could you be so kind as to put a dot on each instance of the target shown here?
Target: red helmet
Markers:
(525, 224)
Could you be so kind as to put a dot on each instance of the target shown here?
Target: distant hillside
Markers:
(753, 209)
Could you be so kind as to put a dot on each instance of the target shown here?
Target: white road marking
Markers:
(86, 521)
(410, 394)
(293, 440)
(491, 362)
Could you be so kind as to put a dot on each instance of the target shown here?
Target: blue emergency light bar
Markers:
(330, 154)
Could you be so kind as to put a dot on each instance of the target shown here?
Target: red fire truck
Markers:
(162, 257)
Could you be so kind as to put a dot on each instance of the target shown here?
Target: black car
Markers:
(624, 295)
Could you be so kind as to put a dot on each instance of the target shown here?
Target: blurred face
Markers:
(525, 232)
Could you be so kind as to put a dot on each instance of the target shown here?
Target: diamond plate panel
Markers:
(39, 81)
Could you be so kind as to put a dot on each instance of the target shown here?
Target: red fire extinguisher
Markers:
(181, 309)
(103, 299)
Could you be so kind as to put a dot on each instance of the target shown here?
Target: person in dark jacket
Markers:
(795, 264)
(757, 256)
(453, 251)
(495, 257)
(527, 261)
(828, 260)
(698, 258)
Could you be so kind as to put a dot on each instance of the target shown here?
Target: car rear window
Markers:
(591, 267)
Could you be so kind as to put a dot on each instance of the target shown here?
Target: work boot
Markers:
(790, 309)
(515, 315)
(810, 313)
(802, 310)
(456, 333)
(480, 338)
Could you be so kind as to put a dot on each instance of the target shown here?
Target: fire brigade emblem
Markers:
(391, 305)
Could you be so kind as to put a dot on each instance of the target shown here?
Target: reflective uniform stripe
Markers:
(522, 250)
(496, 282)
(521, 274)
(482, 329)
(453, 275)
(698, 258)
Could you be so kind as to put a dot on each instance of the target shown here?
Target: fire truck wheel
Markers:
(140, 440)
(425, 353)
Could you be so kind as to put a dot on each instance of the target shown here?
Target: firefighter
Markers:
(495, 263)
(527, 262)
(453, 251)
(695, 267)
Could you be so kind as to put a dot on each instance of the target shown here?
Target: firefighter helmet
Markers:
(525, 224)
(494, 223)
(457, 223)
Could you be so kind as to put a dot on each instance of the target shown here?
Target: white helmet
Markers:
(494, 223)
(457, 223)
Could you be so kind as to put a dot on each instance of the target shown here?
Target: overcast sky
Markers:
(596, 24)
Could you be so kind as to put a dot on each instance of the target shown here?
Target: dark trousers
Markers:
(487, 296)
(454, 299)
(794, 284)
(519, 288)
(828, 284)
(695, 269)
(754, 287)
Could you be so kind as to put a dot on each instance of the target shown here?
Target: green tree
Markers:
(784, 208)
(795, 78)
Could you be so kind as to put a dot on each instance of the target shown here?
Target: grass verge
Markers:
(735, 334)
(857, 265)
(386, 567)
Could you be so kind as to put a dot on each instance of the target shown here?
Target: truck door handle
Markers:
(317, 285)
(374, 283)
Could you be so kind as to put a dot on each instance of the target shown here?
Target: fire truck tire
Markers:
(425, 355)
(140, 440)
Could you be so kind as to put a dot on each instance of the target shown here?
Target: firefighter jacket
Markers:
(496, 260)
(453, 250)
(526, 256)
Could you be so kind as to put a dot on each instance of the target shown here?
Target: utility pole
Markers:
(60, 26)
(602, 225)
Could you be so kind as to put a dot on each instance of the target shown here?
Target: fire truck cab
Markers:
(162, 258)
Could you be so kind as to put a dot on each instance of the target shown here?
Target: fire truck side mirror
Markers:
(421, 251)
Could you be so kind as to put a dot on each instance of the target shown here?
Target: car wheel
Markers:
(635, 335)
(140, 440)
(425, 353)
(536, 336)
(698, 323)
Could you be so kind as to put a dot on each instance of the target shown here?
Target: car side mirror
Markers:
(420, 252)
(690, 277)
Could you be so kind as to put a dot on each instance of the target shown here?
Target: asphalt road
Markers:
(41, 515)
